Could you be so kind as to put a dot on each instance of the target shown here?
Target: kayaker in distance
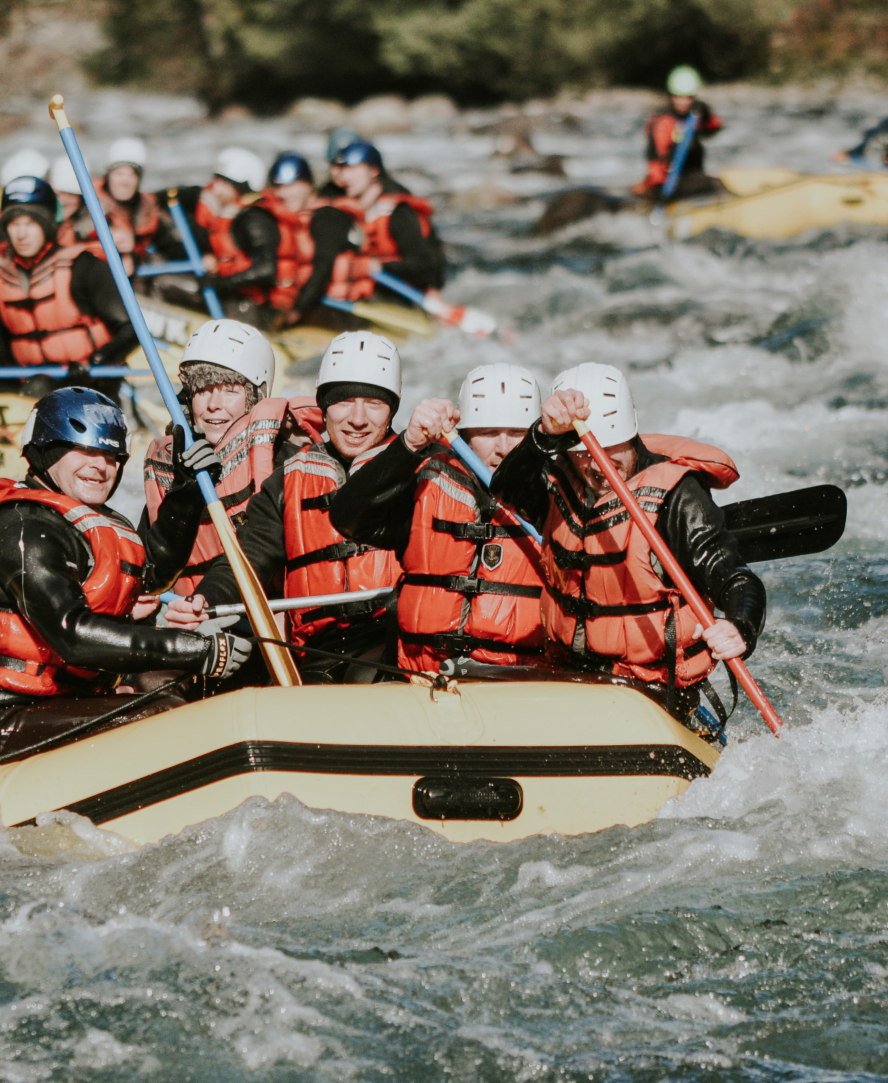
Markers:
(398, 236)
(288, 242)
(288, 531)
(227, 373)
(58, 304)
(339, 139)
(470, 596)
(133, 215)
(873, 146)
(664, 132)
(72, 569)
(606, 606)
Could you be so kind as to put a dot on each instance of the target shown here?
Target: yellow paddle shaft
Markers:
(278, 659)
(387, 318)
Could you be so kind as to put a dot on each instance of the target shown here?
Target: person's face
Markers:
(70, 202)
(215, 407)
(224, 191)
(85, 475)
(682, 104)
(623, 456)
(123, 183)
(493, 445)
(356, 425)
(26, 236)
(294, 196)
(357, 179)
(336, 174)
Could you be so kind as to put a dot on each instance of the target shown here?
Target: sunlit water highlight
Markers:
(741, 936)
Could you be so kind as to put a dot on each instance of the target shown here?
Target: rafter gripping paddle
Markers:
(278, 659)
(674, 570)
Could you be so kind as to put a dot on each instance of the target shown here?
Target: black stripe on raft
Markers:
(409, 761)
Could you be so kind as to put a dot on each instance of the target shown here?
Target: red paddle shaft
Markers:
(676, 573)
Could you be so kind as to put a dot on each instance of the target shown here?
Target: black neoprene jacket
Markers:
(95, 293)
(375, 507)
(44, 562)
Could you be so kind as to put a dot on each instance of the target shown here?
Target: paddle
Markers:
(195, 260)
(59, 372)
(284, 605)
(788, 524)
(679, 157)
(278, 659)
(485, 476)
(174, 267)
(401, 321)
(674, 569)
(471, 320)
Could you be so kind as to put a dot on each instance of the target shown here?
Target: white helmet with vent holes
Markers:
(499, 396)
(612, 419)
(362, 357)
(230, 344)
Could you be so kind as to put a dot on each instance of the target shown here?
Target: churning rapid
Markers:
(741, 936)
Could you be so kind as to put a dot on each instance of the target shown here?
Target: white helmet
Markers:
(27, 163)
(499, 396)
(362, 357)
(684, 82)
(126, 152)
(233, 345)
(242, 167)
(612, 419)
(62, 177)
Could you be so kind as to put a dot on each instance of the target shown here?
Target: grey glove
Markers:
(218, 624)
(200, 456)
(227, 654)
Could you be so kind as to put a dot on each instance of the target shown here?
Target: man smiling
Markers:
(288, 528)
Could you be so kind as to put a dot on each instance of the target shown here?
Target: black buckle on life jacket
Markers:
(475, 532)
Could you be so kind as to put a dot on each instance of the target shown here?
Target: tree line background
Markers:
(264, 54)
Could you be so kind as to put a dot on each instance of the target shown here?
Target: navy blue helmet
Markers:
(288, 168)
(358, 154)
(340, 138)
(77, 417)
(29, 191)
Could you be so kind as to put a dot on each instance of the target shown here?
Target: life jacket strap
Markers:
(337, 551)
(581, 607)
(318, 503)
(19, 665)
(471, 585)
(476, 532)
(459, 643)
(578, 560)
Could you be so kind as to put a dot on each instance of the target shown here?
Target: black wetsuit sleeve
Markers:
(375, 506)
(421, 262)
(520, 479)
(262, 540)
(877, 129)
(43, 563)
(329, 230)
(95, 293)
(256, 233)
(170, 538)
(693, 526)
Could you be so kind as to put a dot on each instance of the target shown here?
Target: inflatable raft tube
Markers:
(789, 209)
(499, 760)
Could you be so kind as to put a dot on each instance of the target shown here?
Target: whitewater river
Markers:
(741, 936)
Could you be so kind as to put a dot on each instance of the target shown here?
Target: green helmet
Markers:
(684, 82)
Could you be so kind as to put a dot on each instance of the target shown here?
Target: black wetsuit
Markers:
(44, 562)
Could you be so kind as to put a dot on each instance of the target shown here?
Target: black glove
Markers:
(200, 456)
(227, 654)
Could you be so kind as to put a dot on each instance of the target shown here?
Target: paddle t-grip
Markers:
(674, 570)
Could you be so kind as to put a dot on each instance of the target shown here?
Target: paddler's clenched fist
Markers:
(723, 639)
(431, 418)
(561, 409)
(187, 613)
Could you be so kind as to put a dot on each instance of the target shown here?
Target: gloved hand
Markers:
(217, 625)
(227, 654)
(200, 456)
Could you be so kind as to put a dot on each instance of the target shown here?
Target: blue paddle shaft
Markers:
(678, 159)
(485, 476)
(195, 259)
(175, 267)
(69, 139)
(343, 306)
(395, 284)
(59, 372)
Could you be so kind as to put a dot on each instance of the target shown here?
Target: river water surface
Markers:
(741, 936)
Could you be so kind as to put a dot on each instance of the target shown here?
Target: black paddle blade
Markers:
(788, 524)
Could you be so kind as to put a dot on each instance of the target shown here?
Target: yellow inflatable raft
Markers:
(492, 760)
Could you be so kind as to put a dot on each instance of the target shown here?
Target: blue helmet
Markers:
(29, 190)
(340, 138)
(288, 168)
(358, 154)
(76, 417)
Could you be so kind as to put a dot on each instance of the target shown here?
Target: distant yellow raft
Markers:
(498, 761)
(775, 203)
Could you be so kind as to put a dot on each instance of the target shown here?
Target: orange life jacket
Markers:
(378, 241)
(247, 452)
(27, 663)
(45, 325)
(319, 559)
(296, 254)
(143, 227)
(472, 584)
(217, 221)
(603, 595)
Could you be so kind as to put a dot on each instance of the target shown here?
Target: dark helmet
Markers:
(288, 168)
(31, 196)
(358, 154)
(74, 417)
